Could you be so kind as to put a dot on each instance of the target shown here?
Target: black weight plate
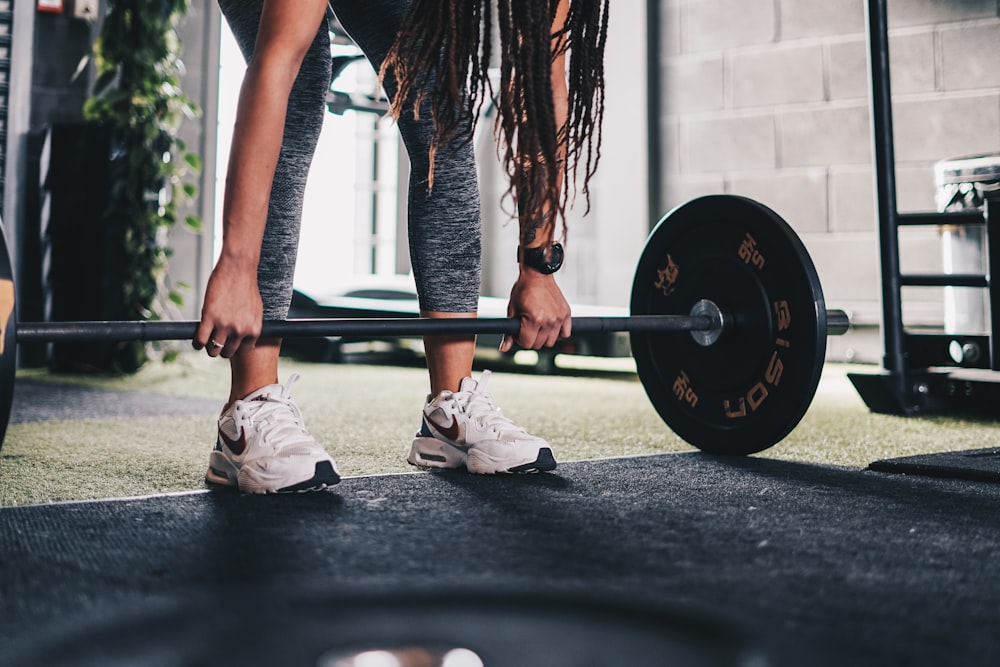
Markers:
(8, 336)
(750, 389)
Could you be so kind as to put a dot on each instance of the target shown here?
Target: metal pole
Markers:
(654, 89)
(885, 183)
(993, 270)
(412, 326)
(837, 323)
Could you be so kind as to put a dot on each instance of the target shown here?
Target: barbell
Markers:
(726, 269)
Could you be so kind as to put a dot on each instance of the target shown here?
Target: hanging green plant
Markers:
(137, 93)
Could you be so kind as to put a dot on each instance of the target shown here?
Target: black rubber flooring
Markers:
(981, 465)
(36, 401)
(816, 565)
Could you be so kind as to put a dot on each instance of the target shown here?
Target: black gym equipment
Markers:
(725, 270)
(754, 384)
(924, 373)
(334, 629)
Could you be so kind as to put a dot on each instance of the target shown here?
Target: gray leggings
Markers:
(444, 223)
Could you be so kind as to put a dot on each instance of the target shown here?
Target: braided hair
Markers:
(440, 65)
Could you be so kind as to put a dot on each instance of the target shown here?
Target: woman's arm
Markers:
(536, 298)
(536, 233)
(232, 309)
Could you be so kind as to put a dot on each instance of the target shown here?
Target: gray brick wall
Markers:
(770, 99)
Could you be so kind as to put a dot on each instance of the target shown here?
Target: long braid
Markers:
(440, 63)
(526, 124)
(588, 32)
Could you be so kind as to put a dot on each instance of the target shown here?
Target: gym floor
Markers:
(798, 555)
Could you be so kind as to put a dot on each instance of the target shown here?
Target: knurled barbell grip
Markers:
(406, 326)
(55, 332)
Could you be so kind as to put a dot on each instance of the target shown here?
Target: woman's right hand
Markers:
(544, 313)
(232, 313)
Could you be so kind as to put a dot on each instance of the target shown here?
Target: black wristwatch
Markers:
(536, 259)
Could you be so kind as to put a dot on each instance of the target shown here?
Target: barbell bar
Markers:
(158, 330)
(726, 269)
(361, 327)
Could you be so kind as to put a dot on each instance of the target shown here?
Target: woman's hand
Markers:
(232, 313)
(544, 313)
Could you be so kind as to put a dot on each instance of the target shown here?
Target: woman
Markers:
(425, 50)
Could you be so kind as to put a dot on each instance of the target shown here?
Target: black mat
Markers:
(819, 565)
(974, 464)
(36, 401)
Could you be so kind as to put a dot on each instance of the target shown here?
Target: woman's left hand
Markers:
(544, 313)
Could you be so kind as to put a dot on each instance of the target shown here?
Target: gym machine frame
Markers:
(908, 385)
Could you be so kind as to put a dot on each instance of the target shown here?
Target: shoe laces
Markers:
(478, 405)
(275, 418)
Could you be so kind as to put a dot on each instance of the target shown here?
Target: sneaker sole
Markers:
(434, 453)
(483, 465)
(221, 471)
(324, 476)
(544, 463)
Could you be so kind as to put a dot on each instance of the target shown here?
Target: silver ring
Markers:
(214, 344)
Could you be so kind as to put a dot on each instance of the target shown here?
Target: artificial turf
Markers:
(366, 414)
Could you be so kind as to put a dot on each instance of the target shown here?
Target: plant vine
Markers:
(137, 93)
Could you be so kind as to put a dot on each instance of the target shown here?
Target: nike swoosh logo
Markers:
(451, 432)
(235, 446)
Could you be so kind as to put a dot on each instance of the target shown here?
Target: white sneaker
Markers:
(465, 429)
(263, 446)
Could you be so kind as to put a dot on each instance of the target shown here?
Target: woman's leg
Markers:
(461, 427)
(262, 444)
(444, 223)
(255, 367)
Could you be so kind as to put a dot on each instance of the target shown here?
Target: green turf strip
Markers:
(366, 415)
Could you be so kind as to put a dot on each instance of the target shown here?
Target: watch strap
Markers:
(544, 259)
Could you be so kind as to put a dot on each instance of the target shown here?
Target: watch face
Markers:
(536, 259)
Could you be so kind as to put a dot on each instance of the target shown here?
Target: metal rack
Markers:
(6, 28)
(924, 372)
